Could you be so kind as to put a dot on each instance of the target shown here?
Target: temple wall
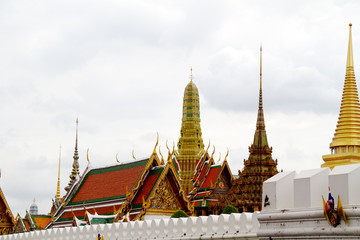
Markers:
(295, 207)
(225, 226)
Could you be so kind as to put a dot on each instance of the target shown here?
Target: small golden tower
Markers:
(190, 145)
(345, 145)
(75, 169)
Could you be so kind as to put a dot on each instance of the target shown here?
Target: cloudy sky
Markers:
(121, 67)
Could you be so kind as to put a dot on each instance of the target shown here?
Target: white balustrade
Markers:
(225, 226)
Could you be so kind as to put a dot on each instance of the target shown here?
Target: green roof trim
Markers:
(102, 220)
(153, 172)
(119, 197)
(118, 167)
(136, 206)
(68, 219)
(203, 189)
(175, 165)
(215, 166)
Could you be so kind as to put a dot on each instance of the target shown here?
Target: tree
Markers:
(229, 209)
(179, 214)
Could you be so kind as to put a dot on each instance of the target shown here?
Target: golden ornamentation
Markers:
(87, 156)
(133, 155)
(345, 145)
(165, 197)
(157, 141)
(190, 145)
(162, 157)
(58, 182)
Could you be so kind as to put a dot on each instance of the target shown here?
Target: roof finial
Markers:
(87, 156)
(77, 127)
(58, 182)
(191, 75)
(261, 66)
(350, 61)
(75, 169)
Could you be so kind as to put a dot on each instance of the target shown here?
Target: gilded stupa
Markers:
(190, 145)
(345, 145)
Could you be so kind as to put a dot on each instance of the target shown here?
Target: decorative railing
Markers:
(224, 226)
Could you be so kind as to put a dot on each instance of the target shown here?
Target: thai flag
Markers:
(329, 202)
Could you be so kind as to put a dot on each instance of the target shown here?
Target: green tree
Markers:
(229, 209)
(179, 214)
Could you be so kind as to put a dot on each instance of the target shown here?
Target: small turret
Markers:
(75, 169)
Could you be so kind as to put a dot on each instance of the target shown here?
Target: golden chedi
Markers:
(190, 145)
(345, 145)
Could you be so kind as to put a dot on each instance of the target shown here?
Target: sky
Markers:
(121, 68)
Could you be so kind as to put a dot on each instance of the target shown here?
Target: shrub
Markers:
(229, 209)
(179, 214)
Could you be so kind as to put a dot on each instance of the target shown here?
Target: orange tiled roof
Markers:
(109, 182)
(211, 176)
(41, 221)
(148, 185)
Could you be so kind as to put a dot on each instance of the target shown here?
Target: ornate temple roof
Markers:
(103, 189)
(345, 145)
(246, 191)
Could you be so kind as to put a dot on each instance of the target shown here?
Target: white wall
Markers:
(225, 226)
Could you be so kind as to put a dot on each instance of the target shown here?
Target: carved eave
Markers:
(168, 170)
(153, 161)
(7, 211)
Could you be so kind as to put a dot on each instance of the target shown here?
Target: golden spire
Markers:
(58, 182)
(191, 76)
(260, 66)
(75, 169)
(190, 144)
(345, 145)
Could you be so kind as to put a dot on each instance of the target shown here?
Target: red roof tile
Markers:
(211, 177)
(107, 184)
(148, 185)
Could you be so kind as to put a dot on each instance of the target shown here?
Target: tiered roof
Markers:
(102, 190)
(246, 192)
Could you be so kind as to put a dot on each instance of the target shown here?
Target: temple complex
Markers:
(345, 145)
(246, 191)
(135, 190)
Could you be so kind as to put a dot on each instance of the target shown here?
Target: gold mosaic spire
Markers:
(190, 145)
(345, 145)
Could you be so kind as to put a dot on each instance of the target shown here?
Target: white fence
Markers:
(224, 226)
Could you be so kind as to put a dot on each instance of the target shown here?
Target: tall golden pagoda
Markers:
(190, 145)
(345, 145)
